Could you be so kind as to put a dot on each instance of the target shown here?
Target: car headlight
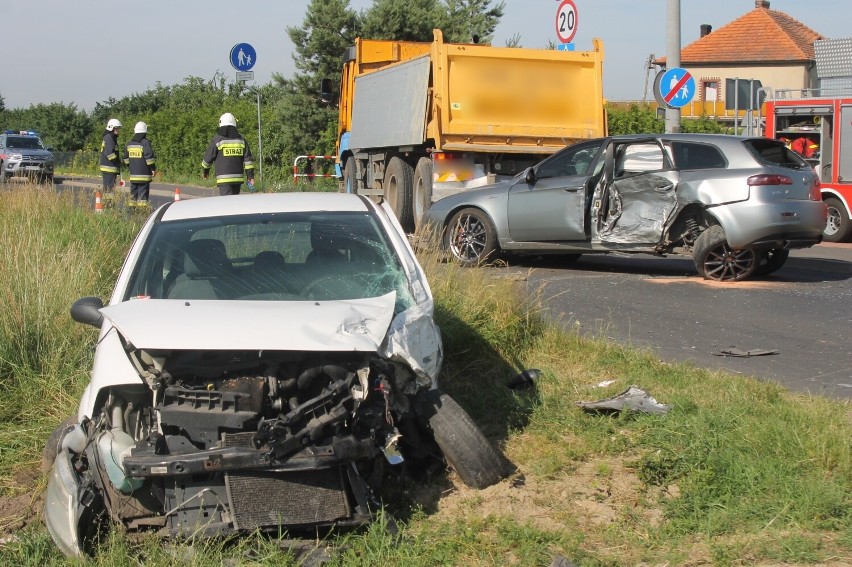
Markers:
(16, 157)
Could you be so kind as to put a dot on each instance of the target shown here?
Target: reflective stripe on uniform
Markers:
(109, 169)
(140, 178)
(230, 178)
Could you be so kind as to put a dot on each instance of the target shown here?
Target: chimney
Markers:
(761, 4)
(705, 30)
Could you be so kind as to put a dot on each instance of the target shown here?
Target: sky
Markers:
(86, 51)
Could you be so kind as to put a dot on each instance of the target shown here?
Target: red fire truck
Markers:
(820, 128)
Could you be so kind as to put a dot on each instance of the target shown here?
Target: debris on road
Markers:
(735, 352)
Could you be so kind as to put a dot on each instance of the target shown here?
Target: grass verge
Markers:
(739, 472)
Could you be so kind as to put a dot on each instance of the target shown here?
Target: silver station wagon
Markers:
(736, 204)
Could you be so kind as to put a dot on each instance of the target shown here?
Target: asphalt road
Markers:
(804, 311)
(660, 304)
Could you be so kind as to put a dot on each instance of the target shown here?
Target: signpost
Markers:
(243, 58)
(677, 87)
(566, 21)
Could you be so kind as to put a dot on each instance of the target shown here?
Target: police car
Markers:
(23, 153)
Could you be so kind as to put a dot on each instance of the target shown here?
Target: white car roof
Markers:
(249, 203)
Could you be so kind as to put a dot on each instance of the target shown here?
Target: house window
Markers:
(710, 90)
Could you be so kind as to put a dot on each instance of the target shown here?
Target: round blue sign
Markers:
(243, 57)
(677, 87)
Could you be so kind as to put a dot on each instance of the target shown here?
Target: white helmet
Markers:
(113, 124)
(227, 119)
(140, 128)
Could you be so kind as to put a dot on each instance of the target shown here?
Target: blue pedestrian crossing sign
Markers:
(677, 87)
(243, 57)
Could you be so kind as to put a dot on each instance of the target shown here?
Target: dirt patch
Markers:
(24, 506)
(593, 494)
(748, 284)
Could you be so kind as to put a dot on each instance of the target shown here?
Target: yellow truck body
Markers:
(420, 121)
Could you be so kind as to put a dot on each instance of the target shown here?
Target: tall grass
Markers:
(738, 472)
(51, 253)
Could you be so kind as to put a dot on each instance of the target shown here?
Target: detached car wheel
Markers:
(465, 448)
(470, 237)
(51, 447)
(716, 260)
(838, 228)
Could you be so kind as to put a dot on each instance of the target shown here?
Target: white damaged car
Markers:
(262, 360)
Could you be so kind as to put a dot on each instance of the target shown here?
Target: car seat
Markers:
(206, 266)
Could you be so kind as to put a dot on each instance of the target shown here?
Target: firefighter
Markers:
(141, 163)
(110, 159)
(231, 156)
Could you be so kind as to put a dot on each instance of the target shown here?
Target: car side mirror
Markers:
(529, 176)
(87, 310)
(326, 95)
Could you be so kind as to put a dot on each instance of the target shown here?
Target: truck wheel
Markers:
(465, 448)
(770, 261)
(470, 237)
(716, 260)
(838, 227)
(398, 185)
(350, 179)
(422, 190)
(51, 448)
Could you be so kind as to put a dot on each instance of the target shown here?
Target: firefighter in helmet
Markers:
(141, 162)
(229, 153)
(110, 159)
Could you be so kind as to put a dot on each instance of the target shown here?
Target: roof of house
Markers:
(762, 35)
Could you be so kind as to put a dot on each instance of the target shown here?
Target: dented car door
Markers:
(636, 197)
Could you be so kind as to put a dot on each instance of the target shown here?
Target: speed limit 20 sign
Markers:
(566, 21)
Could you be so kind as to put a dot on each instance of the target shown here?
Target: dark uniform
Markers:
(110, 159)
(142, 165)
(230, 154)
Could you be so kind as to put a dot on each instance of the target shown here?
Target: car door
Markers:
(548, 204)
(636, 196)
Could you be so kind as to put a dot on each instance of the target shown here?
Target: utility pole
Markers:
(673, 58)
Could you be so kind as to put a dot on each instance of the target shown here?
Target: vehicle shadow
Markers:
(478, 378)
(797, 270)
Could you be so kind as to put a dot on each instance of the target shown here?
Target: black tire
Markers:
(569, 259)
(838, 227)
(470, 237)
(398, 187)
(422, 190)
(350, 179)
(465, 448)
(716, 260)
(51, 447)
(770, 261)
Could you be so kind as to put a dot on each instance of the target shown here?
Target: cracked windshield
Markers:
(271, 257)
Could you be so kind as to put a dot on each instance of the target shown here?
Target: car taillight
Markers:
(815, 193)
(769, 179)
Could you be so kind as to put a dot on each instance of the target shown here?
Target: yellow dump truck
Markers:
(421, 121)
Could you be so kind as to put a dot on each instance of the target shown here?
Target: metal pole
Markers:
(673, 58)
(259, 141)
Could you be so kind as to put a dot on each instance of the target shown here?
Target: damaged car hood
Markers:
(342, 325)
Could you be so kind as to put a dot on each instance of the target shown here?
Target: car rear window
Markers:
(773, 152)
(689, 155)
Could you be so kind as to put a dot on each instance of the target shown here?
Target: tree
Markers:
(471, 20)
(329, 28)
(404, 20)
(2, 103)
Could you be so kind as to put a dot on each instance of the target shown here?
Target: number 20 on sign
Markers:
(566, 21)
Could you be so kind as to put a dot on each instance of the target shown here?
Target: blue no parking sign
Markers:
(243, 57)
(677, 87)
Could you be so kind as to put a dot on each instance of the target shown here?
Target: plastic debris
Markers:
(631, 399)
(525, 379)
(746, 353)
